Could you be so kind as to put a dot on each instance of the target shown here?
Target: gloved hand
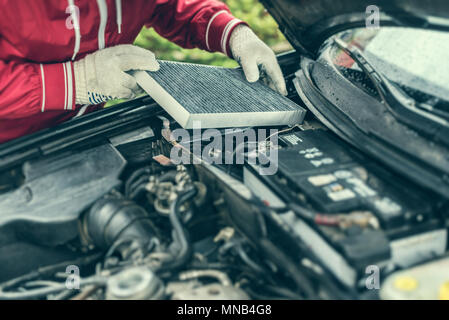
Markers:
(101, 76)
(251, 53)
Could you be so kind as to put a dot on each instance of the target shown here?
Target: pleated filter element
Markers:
(217, 97)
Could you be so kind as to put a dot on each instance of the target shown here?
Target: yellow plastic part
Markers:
(444, 291)
(406, 283)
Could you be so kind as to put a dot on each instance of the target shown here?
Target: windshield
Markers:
(417, 60)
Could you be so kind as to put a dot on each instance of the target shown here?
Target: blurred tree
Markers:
(250, 11)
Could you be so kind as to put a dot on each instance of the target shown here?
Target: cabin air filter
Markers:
(217, 97)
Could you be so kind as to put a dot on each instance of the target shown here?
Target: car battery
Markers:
(320, 172)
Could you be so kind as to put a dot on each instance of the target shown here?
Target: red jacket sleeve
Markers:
(29, 88)
(205, 24)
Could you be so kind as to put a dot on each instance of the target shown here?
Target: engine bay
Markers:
(119, 220)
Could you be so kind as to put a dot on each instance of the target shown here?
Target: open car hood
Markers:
(341, 106)
(307, 23)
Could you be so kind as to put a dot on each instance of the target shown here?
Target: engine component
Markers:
(193, 274)
(165, 189)
(213, 291)
(113, 221)
(347, 209)
(139, 145)
(10, 180)
(247, 214)
(46, 207)
(32, 285)
(181, 235)
(137, 283)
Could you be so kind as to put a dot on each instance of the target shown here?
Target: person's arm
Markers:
(27, 89)
(209, 25)
(30, 88)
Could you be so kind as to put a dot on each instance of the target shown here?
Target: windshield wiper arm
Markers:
(404, 107)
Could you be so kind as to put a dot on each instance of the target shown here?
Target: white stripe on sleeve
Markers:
(43, 88)
(69, 86)
(226, 34)
(209, 24)
(103, 8)
(65, 86)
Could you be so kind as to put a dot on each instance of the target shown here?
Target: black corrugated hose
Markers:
(182, 235)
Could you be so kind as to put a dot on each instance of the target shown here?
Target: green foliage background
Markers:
(250, 11)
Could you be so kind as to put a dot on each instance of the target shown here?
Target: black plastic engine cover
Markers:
(56, 190)
(322, 173)
(336, 178)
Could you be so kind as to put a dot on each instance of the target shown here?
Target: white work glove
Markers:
(252, 53)
(102, 76)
